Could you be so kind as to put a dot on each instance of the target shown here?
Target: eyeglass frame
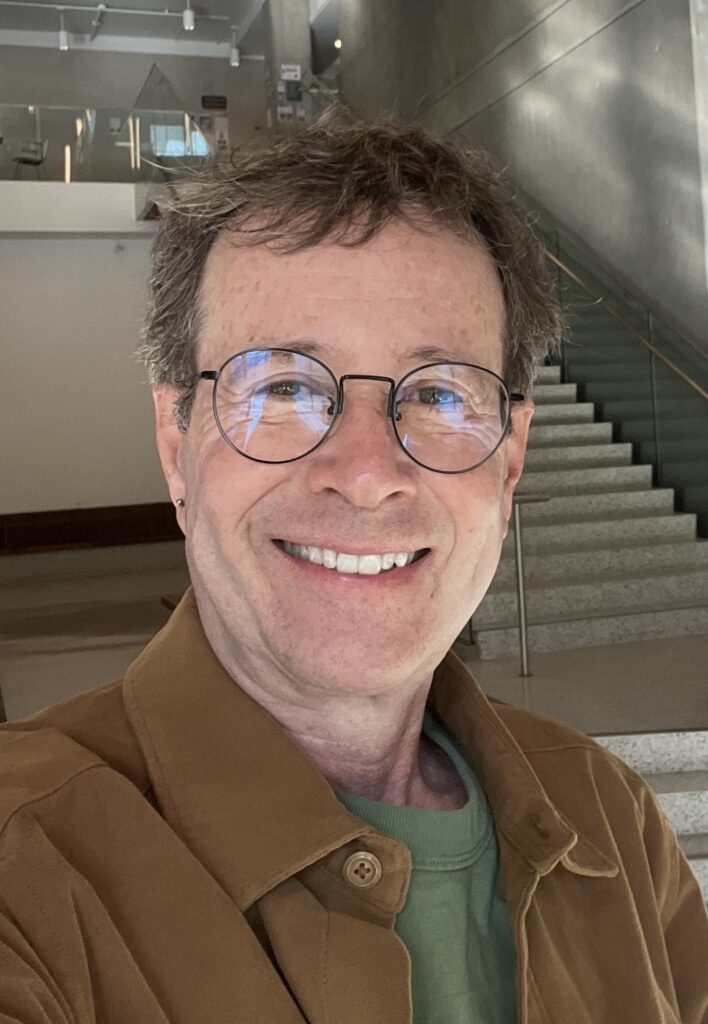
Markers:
(214, 376)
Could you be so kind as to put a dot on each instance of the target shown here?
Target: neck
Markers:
(369, 745)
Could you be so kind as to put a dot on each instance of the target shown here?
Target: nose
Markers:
(361, 459)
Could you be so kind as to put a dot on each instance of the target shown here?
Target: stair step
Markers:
(611, 505)
(659, 752)
(683, 474)
(687, 811)
(594, 631)
(556, 434)
(699, 867)
(635, 530)
(695, 497)
(684, 427)
(554, 393)
(676, 450)
(551, 601)
(578, 456)
(601, 336)
(629, 391)
(664, 408)
(624, 351)
(601, 563)
(565, 412)
(591, 373)
(548, 375)
(687, 781)
(695, 846)
(593, 480)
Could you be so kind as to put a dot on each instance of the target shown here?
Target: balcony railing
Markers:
(87, 144)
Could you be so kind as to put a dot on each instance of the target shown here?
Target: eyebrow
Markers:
(425, 353)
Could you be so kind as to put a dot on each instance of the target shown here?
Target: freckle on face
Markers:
(365, 305)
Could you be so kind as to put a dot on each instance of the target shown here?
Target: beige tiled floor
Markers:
(636, 687)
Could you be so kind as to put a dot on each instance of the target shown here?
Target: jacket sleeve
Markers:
(28, 993)
(682, 911)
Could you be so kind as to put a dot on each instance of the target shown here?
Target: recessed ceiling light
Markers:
(338, 44)
(188, 18)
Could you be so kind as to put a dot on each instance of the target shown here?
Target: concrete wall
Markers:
(75, 413)
(589, 106)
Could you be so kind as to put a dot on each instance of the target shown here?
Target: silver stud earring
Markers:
(180, 503)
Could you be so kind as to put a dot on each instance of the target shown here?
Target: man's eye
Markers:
(286, 389)
(439, 396)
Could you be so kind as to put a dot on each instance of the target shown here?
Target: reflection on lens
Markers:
(273, 404)
(451, 417)
(276, 405)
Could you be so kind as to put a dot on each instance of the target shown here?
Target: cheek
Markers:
(479, 515)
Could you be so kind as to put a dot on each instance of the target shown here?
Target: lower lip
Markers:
(400, 576)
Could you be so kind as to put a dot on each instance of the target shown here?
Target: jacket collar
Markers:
(228, 777)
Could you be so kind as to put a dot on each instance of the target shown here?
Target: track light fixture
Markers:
(235, 53)
(63, 34)
(188, 18)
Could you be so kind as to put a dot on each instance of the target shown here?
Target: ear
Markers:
(516, 444)
(170, 442)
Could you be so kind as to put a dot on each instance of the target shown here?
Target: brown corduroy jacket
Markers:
(167, 854)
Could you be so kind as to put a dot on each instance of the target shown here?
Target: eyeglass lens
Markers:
(275, 406)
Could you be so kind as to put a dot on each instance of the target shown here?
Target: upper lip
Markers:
(354, 549)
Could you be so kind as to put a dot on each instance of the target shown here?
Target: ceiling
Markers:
(119, 27)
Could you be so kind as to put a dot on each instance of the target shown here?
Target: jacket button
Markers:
(362, 870)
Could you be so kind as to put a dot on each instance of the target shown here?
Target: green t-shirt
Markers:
(454, 923)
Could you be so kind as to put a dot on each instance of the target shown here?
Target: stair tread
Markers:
(649, 573)
(683, 781)
(694, 845)
(596, 615)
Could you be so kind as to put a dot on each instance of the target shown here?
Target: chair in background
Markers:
(32, 154)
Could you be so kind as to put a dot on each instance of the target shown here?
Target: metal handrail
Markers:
(565, 238)
(519, 500)
(628, 327)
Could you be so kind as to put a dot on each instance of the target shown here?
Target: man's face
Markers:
(359, 492)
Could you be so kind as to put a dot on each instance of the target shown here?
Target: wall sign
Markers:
(213, 103)
(291, 72)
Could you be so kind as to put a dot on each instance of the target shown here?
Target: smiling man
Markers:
(297, 806)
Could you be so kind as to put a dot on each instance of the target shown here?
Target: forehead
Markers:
(404, 289)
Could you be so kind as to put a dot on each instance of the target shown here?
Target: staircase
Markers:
(652, 407)
(675, 764)
(607, 559)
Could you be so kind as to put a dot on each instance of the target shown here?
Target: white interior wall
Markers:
(75, 413)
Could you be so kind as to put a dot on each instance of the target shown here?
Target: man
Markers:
(297, 806)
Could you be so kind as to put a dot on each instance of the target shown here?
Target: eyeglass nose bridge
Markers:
(365, 376)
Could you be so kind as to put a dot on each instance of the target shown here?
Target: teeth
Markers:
(365, 565)
(347, 563)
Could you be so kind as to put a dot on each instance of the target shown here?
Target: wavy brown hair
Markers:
(341, 183)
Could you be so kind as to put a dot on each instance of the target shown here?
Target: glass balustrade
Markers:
(86, 144)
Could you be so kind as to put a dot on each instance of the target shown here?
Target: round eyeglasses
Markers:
(277, 405)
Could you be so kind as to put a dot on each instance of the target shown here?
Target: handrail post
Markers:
(519, 500)
(521, 591)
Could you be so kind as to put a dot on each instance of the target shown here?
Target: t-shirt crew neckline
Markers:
(439, 840)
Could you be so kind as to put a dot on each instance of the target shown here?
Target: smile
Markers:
(344, 562)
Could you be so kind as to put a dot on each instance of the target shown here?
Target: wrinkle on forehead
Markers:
(405, 286)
